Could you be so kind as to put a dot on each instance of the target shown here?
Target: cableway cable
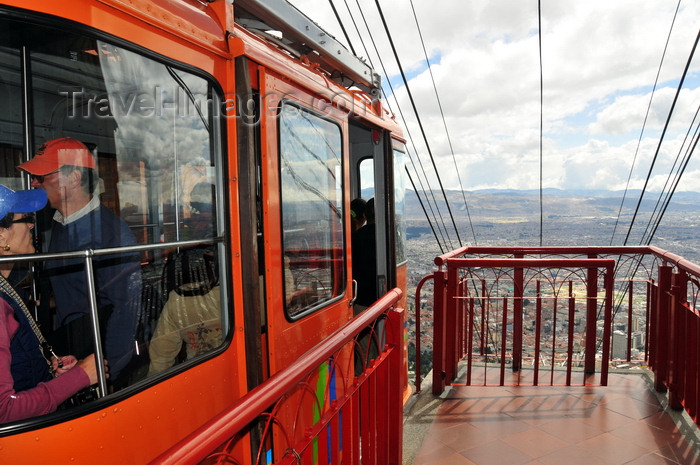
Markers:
(444, 122)
(681, 169)
(663, 134)
(445, 236)
(539, 39)
(357, 31)
(632, 271)
(420, 124)
(410, 178)
(646, 116)
(342, 27)
(369, 33)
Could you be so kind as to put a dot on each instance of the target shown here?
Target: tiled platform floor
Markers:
(622, 423)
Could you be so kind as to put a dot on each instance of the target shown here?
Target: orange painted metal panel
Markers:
(137, 428)
(287, 340)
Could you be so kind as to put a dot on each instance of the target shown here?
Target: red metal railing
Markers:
(557, 314)
(357, 419)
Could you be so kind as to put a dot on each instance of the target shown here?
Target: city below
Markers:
(513, 218)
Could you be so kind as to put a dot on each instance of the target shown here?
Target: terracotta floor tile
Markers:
(647, 436)
(613, 450)
(605, 419)
(654, 459)
(496, 453)
(500, 425)
(633, 408)
(432, 449)
(680, 452)
(570, 431)
(464, 436)
(572, 455)
(535, 443)
(452, 459)
(554, 425)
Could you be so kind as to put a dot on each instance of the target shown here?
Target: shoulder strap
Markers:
(44, 346)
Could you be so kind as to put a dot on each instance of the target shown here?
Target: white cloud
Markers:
(600, 62)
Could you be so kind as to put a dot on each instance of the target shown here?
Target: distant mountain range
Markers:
(505, 203)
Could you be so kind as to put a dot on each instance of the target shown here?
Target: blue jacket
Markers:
(118, 281)
(29, 366)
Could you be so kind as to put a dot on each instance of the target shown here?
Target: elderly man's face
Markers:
(51, 183)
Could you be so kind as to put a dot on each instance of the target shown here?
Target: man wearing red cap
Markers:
(66, 170)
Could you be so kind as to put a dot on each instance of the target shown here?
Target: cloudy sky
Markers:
(600, 62)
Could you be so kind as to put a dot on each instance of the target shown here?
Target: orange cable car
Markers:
(233, 159)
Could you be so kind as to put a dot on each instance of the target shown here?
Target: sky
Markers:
(600, 61)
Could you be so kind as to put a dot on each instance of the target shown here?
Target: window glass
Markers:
(312, 200)
(10, 117)
(367, 178)
(152, 134)
(400, 205)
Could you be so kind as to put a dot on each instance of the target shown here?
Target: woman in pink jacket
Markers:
(31, 382)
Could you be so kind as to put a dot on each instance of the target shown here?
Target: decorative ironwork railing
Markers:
(341, 402)
(562, 315)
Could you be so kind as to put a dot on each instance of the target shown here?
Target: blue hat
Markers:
(21, 201)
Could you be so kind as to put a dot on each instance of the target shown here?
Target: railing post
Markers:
(538, 333)
(504, 340)
(439, 285)
(630, 317)
(662, 335)
(451, 323)
(676, 381)
(607, 329)
(470, 340)
(570, 335)
(396, 358)
(652, 317)
(484, 316)
(692, 404)
(518, 278)
(419, 288)
(591, 317)
(462, 320)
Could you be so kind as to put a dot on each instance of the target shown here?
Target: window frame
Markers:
(338, 270)
(219, 159)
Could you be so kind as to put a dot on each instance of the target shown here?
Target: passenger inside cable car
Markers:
(144, 135)
(190, 321)
(191, 317)
(33, 379)
(65, 169)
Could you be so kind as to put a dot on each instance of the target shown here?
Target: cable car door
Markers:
(303, 188)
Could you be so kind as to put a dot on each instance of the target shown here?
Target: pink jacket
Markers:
(42, 399)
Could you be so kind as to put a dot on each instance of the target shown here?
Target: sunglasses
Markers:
(40, 177)
(28, 218)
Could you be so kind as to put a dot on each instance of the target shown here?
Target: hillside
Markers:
(503, 217)
(526, 203)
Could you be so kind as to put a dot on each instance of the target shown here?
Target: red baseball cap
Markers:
(56, 153)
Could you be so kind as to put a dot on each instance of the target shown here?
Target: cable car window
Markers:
(367, 178)
(400, 205)
(128, 151)
(311, 183)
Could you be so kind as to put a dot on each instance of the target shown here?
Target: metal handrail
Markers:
(672, 309)
(198, 444)
(40, 257)
(87, 256)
